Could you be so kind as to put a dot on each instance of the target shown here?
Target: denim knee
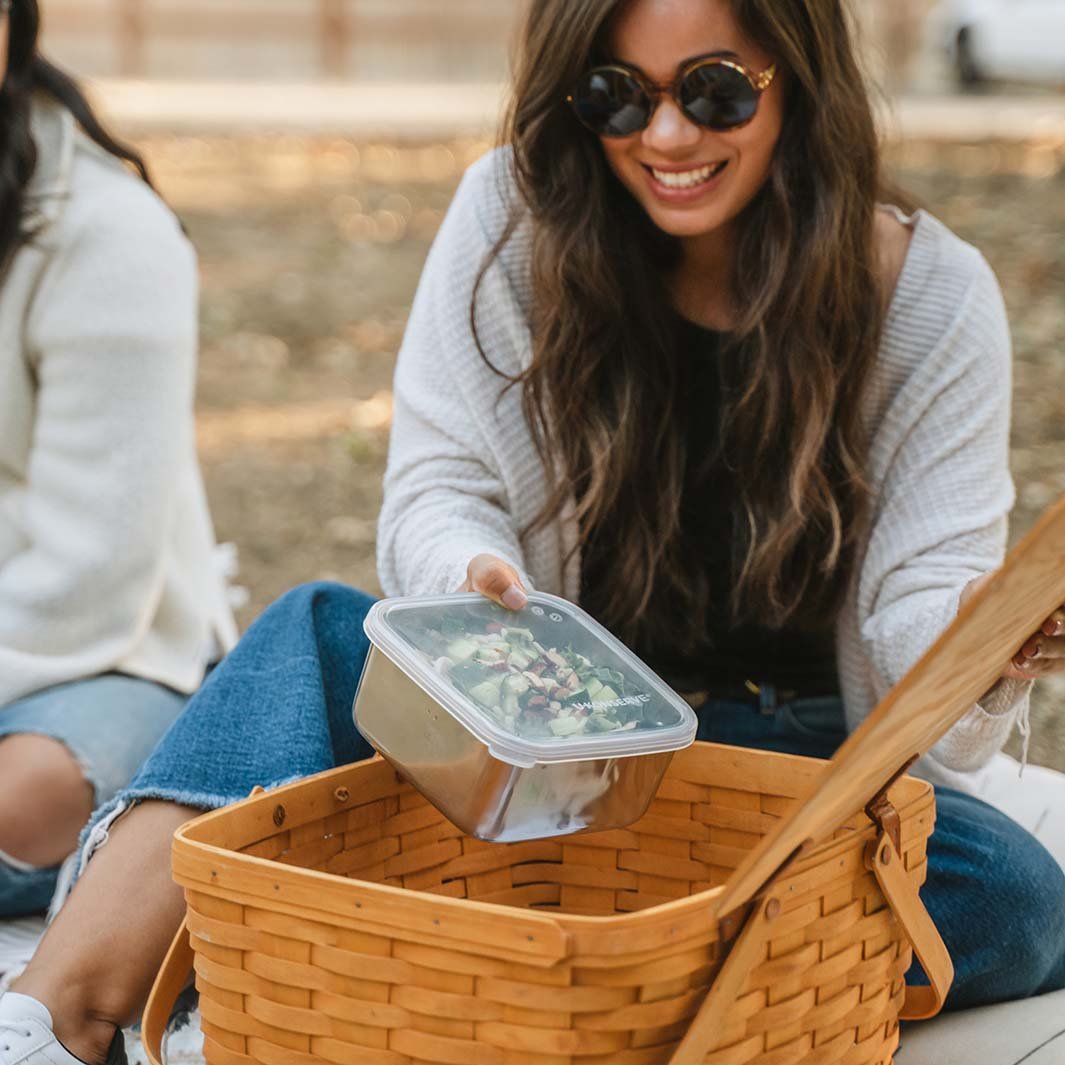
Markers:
(1031, 886)
(314, 594)
(25, 890)
(998, 898)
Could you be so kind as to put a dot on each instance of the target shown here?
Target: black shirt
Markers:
(794, 659)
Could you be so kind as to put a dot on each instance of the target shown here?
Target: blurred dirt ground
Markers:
(311, 250)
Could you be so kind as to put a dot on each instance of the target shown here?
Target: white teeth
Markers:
(687, 179)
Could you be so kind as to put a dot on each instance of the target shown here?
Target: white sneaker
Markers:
(27, 1038)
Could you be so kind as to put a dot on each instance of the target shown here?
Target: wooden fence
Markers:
(466, 39)
(129, 32)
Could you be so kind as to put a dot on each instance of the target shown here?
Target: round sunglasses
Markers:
(617, 100)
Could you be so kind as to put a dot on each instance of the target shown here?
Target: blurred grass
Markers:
(311, 251)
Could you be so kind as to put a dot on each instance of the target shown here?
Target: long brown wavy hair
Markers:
(601, 393)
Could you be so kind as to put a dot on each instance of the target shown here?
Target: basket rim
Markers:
(543, 936)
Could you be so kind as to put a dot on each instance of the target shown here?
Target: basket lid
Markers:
(541, 685)
(937, 692)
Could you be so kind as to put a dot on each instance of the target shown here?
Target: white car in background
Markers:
(1008, 40)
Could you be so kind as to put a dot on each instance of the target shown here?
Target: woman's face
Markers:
(659, 37)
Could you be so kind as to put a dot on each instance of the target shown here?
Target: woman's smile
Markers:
(685, 184)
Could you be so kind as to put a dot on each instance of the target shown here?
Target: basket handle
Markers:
(742, 957)
(898, 889)
(937, 692)
(170, 981)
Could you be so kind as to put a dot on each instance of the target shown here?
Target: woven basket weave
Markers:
(607, 960)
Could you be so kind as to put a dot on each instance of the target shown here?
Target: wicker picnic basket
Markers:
(763, 912)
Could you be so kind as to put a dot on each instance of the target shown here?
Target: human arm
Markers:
(446, 499)
(941, 457)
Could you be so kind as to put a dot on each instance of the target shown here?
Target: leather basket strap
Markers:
(890, 872)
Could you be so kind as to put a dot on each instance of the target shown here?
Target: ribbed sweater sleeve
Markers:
(445, 498)
(941, 456)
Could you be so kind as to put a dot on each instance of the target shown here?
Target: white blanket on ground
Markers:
(1032, 1032)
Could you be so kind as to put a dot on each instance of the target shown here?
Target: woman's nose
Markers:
(670, 128)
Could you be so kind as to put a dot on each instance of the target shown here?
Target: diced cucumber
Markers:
(519, 634)
(460, 650)
(606, 694)
(487, 693)
(514, 684)
(565, 726)
(599, 723)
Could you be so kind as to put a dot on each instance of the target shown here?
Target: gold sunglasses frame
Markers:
(655, 91)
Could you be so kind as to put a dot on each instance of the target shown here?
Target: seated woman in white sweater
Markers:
(110, 608)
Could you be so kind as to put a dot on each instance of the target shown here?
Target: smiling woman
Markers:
(739, 195)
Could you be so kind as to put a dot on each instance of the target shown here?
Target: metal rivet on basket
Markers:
(342, 795)
(772, 909)
(279, 816)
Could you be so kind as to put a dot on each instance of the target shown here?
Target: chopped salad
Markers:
(533, 691)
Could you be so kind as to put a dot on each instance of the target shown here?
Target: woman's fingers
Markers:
(1043, 653)
(1040, 656)
(496, 580)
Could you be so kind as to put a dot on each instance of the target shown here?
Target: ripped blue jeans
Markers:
(110, 724)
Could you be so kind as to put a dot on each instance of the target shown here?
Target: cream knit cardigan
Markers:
(463, 476)
(105, 541)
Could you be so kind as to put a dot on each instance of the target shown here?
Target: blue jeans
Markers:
(279, 708)
(110, 724)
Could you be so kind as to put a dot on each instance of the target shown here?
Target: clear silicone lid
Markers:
(544, 684)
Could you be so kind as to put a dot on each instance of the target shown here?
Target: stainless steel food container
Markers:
(489, 784)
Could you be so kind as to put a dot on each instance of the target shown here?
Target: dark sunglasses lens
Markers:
(610, 103)
(719, 97)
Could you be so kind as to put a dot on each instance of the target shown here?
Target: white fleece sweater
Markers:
(105, 540)
(463, 476)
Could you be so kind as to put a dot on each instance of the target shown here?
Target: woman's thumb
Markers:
(496, 580)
